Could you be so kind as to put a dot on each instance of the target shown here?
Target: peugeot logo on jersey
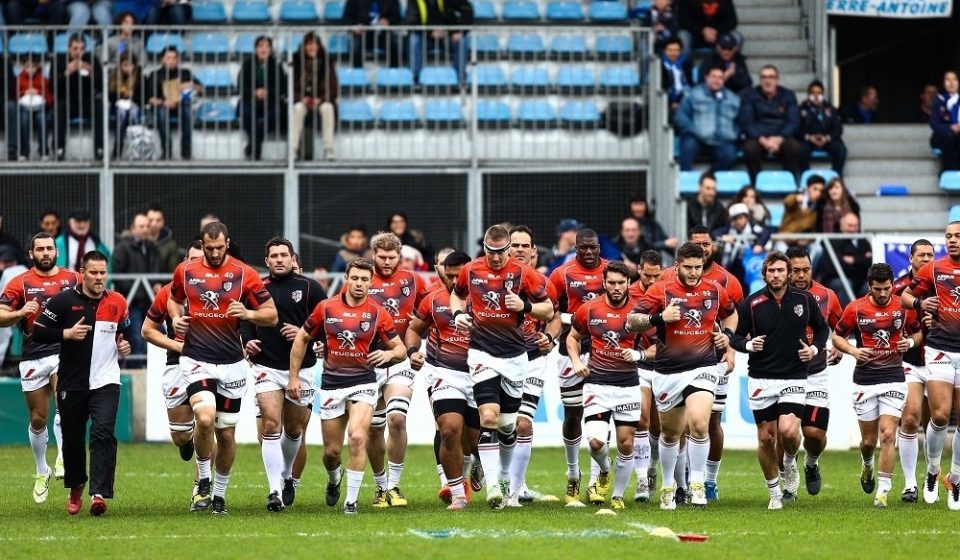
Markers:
(392, 305)
(210, 299)
(348, 340)
(297, 295)
(612, 339)
(882, 336)
(693, 317)
(492, 299)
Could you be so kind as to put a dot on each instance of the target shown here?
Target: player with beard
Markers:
(883, 331)
(816, 409)
(575, 283)
(21, 303)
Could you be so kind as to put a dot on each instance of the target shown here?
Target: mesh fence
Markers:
(23, 198)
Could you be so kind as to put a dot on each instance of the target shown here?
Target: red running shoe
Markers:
(75, 501)
(444, 494)
(98, 506)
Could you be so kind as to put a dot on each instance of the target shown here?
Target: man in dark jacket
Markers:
(855, 256)
(706, 210)
(702, 22)
(430, 13)
(863, 109)
(369, 17)
(78, 87)
(727, 55)
(136, 254)
(169, 90)
(162, 237)
(769, 120)
(945, 122)
(820, 128)
(263, 99)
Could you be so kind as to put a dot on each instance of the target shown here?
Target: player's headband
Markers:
(495, 250)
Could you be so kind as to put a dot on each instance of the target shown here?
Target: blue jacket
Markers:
(707, 117)
(63, 252)
(763, 116)
(941, 118)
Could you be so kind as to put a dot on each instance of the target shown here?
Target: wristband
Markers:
(917, 303)
(727, 331)
(412, 350)
(457, 312)
(657, 320)
(911, 343)
(815, 350)
(751, 347)
(566, 318)
(553, 341)
(527, 306)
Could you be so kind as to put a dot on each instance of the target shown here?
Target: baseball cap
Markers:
(568, 224)
(727, 41)
(80, 214)
(738, 209)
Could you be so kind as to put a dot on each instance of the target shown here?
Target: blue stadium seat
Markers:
(439, 79)
(28, 43)
(575, 80)
(580, 115)
(527, 46)
(353, 80)
(816, 154)
(216, 112)
(568, 47)
(564, 11)
(536, 114)
(443, 113)
(61, 43)
(608, 12)
(619, 79)
(298, 11)
(210, 45)
(291, 43)
(493, 114)
(333, 12)
(949, 180)
(520, 10)
(251, 11)
(214, 79)
(613, 46)
(954, 214)
(689, 183)
(729, 182)
(776, 214)
(490, 78)
(827, 175)
(893, 190)
(207, 12)
(244, 44)
(527, 79)
(159, 41)
(484, 11)
(776, 182)
(355, 114)
(394, 79)
(338, 45)
(487, 46)
(399, 114)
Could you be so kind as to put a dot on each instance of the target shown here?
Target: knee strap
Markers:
(507, 423)
(398, 405)
(226, 420)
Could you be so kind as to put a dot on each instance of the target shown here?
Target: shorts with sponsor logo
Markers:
(174, 386)
(35, 374)
(450, 384)
(397, 374)
(872, 401)
(765, 393)
(915, 373)
(565, 371)
(231, 379)
(720, 393)
(623, 402)
(646, 377)
(511, 371)
(266, 379)
(536, 376)
(333, 402)
(671, 390)
(942, 365)
(818, 390)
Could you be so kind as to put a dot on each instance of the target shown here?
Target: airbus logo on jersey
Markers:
(195, 281)
(348, 340)
(210, 299)
(297, 295)
(392, 305)
(492, 299)
(693, 317)
(611, 339)
(882, 336)
(942, 277)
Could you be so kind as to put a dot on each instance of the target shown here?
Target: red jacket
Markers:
(38, 82)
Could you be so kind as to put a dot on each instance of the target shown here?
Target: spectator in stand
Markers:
(855, 256)
(320, 274)
(46, 12)
(123, 90)
(9, 242)
(162, 237)
(731, 246)
(127, 40)
(653, 233)
(838, 203)
(677, 72)
(353, 246)
(727, 56)
(925, 110)
(136, 254)
(820, 129)
(759, 214)
(800, 209)
(945, 122)
(631, 244)
(169, 12)
(77, 240)
(399, 226)
(702, 22)
(369, 18)
(263, 99)
(769, 119)
(50, 222)
(564, 247)
(863, 109)
(412, 259)
(234, 249)
(35, 105)
(82, 11)
(170, 90)
(707, 120)
(78, 86)
(705, 210)
(664, 20)
(451, 12)
(315, 90)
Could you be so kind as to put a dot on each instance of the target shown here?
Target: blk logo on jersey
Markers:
(694, 318)
(611, 339)
(210, 299)
(348, 340)
(492, 300)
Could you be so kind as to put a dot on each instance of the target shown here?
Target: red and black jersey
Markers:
(941, 278)
(446, 345)
(914, 355)
(158, 314)
(574, 286)
(400, 294)
(33, 286)
(688, 343)
(830, 308)
(532, 327)
(606, 327)
(349, 334)
(649, 338)
(879, 328)
(496, 329)
(214, 336)
(718, 274)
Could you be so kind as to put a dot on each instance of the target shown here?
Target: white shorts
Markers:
(720, 393)
(669, 389)
(397, 374)
(765, 393)
(35, 374)
(942, 365)
(872, 401)
(536, 376)
(450, 384)
(231, 378)
(267, 379)
(914, 373)
(333, 402)
(174, 386)
(565, 371)
(623, 402)
(818, 390)
(511, 371)
(646, 377)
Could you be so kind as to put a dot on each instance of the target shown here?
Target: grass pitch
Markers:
(149, 517)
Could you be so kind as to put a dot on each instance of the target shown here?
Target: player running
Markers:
(21, 303)
(268, 349)
(611, 388)
(214, 290)
(491, 297)
(685, 311)
(883, 331)
(816, 408)
(349, 324)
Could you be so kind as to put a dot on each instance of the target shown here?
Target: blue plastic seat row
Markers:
(23, 44)
(569, 79)
(557, 11)
(532, 45)
(257, 11)
(532, 113)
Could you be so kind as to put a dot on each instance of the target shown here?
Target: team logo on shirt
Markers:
(405, 291)
(693, 317)
(882, 336)
(392, 305)
(798, 309)
(297, 295)
(508, 285)
(210, 299)
(955, 294)
(708, 303)
(364, 326)
(348, 340)
(492, 299)
(227, 286)
(612, 339)
(897, 323)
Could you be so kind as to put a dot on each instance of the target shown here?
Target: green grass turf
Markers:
(149, 517)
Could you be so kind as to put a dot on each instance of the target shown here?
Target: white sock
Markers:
(601, 458)
(680, 469)
(220, 482)
(456, 488)
(955, 464)
(489, 450)
(571, 447)
(884, 482)
(669, 454)
(521, 458)
(713, 469)
(334, 476)
(443, 477)
(380, 479)
(641, 453)
(697, 451)
(621, 475)
(354, 481)
(789, 460)
(395, 472)
(773, 487)
(909, 449)
(289, 446)
(58, 435)
(272, 454)
(467, 463)
(595, 468)
(508, 445)
(203, 468)
(654, 451)
(38, 443)
(812, 459)
(936, 437)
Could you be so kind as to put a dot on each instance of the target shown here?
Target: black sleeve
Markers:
(821, 330)
(248, 332)
(744, 327)
(48, 328)
(317, 294)
(727, 20)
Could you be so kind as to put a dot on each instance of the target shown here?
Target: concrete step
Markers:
(797, 82)
(769, 14)
(893, 167)
(909, 151)
(924, 221)
(758, 31)
(916, 133)
(911, 203)
(866, 185)
(786, 65)
(770, 48)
